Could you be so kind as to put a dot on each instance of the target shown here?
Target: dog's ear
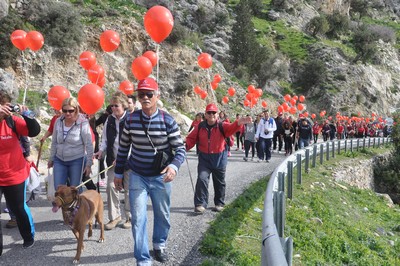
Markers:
(74, 191)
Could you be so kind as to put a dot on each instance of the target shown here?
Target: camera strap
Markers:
(147, 134)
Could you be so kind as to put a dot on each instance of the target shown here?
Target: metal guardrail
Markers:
(275, 249)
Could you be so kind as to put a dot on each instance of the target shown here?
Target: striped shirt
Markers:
(165, 135)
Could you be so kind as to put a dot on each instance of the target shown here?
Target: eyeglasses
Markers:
(148, 94)
(211, 113)
(68, 111)
(114, 105)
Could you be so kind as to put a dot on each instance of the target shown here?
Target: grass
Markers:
(348, 235)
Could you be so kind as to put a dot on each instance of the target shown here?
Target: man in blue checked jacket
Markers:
(146, 133)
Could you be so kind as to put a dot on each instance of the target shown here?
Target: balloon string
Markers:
(25, 70)
(158, 60)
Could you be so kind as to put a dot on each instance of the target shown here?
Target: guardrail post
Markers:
(351, 145)
(290, 180)
(333, 149)
(358, 143)
(383, 141)
(321, 153)
(338, 146)
(299, 169)
(288, 249)
(379, 142)
(345, 145)
(279, 211)
(369, 142)
(364, 143)
(314, 156)
(307, 161)
(281, 181)
(373, 145)
(327, 150)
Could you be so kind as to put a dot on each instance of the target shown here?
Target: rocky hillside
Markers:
(349, 87)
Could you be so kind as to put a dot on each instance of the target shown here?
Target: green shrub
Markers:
(59, 22)
(338, 24)
(318, 25)
(313, 74)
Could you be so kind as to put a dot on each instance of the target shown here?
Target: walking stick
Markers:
(190, 174)
(39, 154)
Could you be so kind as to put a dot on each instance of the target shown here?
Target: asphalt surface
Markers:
(56, 245)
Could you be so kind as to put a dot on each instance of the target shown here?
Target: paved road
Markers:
(56, 245)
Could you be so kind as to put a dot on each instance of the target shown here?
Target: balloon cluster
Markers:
(142, 66)
(33, 40)
(204, 60)
(252, 96)
(293, 104)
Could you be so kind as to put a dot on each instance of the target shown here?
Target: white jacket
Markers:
(265, 129)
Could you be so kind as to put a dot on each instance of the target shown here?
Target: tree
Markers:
(318, 25)
(364, 41)
(243, 43)
(313, 74)
(338, 24)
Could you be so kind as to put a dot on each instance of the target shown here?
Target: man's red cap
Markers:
(212, 107)
(147, 84)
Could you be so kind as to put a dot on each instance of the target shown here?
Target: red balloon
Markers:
(249, 96)
(292, 110)
(203, 94)
(158, 23)
(302, 98)
(264, 104)
(126, 87)
(152, 56)
(197, 89)
(217, 78)
(251, 88)
(285, 106)
(91, 98)
(231, 91)
(141, 67)
(293, 101)
(321, 114)
(109, 40)
(18, 39)
(204, 60)
(305, 114)
(246, 102)
(287, 97)
(295, 97)
(259, 92)
(214, 85)
(313, 116)
(101, 82)
(56, 95)
(280, 109)
(300, 107)
(96, 73)
(225, 99)
(35, 40)
(87, 60)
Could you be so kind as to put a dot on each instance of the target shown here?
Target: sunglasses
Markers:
(68, 111)
(114, 105)
(211, 113)
(148, 94)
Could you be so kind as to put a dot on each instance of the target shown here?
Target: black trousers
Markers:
(15, 197)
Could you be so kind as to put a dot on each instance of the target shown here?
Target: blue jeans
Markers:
(140, 187)
(265, 147)
(71, 170)
(303, 143)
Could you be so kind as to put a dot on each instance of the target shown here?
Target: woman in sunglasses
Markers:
(71, 151)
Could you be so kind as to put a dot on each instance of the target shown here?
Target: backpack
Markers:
(229, 141)
(270, 121)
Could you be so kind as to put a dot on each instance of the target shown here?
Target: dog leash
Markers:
(190, 174)
(89, 179)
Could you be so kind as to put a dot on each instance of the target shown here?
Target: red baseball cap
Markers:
(147, 84)
(212, 107)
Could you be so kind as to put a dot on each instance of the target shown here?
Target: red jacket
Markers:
(14, 169)
(216, 143)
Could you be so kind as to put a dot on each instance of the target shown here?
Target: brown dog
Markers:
(78, 210)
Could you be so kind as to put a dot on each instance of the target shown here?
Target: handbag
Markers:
(50, 186)
(161, 159)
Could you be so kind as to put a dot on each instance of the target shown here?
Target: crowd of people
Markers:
(143, 151)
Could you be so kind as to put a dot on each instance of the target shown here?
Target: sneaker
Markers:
(237, 149)
(11, 223)
(229, 154)
(218, 208)
(267, 161)
(252, 158)
(199, 209)
(28, 244)
(160, 255)
(245, 158)
(127, 224)
(259, 160)
(112, 224)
